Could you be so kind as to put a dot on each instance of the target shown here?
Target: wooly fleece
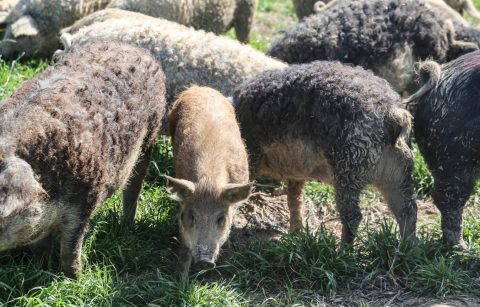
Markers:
(447, 126)
(187, 56)
(387, 36)
(32, 27)
(217, 16)
(331, 122)
(82, 129)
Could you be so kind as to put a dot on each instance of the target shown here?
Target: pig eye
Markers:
(188, 216)
(221, 220)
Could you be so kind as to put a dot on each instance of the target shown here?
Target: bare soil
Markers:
(266, 217)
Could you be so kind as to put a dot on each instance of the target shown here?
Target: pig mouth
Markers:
(205, 261)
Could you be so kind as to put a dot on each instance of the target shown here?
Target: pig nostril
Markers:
(205, 263)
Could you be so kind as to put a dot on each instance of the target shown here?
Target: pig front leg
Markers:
(450, 194)
(42, 249)
(184, 262)
(295, 203)
(71, 242)
(131, 193)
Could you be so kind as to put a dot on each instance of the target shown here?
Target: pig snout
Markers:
(205, 258)
(205, 262)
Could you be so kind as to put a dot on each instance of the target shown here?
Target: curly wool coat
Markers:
(31, 29)
(188, 57)
(217, 16)
(447, 126)
(81, 130)
(387, 36)
(331, 122)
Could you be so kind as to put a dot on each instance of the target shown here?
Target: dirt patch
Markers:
(266, 217)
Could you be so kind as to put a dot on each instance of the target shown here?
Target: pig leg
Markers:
(42, 249)
(347, 198)
(295, 203)
(71, 241)
(244, 15)
(131, 192)
(184, 262)
(449, 195)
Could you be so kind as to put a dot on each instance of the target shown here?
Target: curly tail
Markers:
(429, 73)
(321, 6)
(66, 40)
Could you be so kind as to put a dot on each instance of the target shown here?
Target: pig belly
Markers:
(295, 160)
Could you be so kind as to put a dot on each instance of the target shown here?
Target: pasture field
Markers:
(123, 268)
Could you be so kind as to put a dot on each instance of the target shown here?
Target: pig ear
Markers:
(25, 26)
(236, 193)
(179, 189)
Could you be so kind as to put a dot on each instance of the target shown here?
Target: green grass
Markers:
(13, 73)
(137, 268)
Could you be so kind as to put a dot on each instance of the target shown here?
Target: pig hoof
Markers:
(72, 273)
(459, 247)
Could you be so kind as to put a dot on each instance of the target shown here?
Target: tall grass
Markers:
(137, 268)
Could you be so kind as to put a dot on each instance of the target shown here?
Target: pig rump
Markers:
(447, 126)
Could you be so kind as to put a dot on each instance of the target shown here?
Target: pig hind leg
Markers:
(393, 179)
(450, 194)
(131, 192)
(244, 16)
(295, 203)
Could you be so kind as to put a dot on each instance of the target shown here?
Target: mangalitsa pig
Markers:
(447, 129)
(211, 167)
(335, 123)
(70, 138)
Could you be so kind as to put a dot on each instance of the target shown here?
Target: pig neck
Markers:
(210, 173)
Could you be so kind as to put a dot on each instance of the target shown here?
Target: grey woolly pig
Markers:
(447, 126)
(304, 8)
(212, 169)
(217, 16)
(386, 36)
(335, 123)
(71, 137)
(33, 26)
(187, 56)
